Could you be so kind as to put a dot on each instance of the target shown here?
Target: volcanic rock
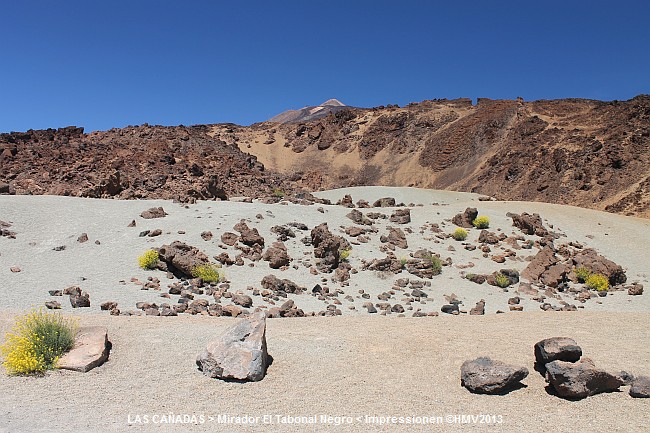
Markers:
(240, 353)
(479, 309)
(557, 349)
(590, 259)
(327, 247)
(182, 258)
(401, 216)
(359, 218)
(466, 218)
(249, 236)
(485, 376)
(91, 349)
(271, 282)
(154, 212)
(529, 224)
(53, 305)
(277, 255)
(640, 387)
(581, 379)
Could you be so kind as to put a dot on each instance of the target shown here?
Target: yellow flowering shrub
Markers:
(460, 234)
(209, 272)
(36, 342)
(149, 259)
(597, 282)
(481, 222)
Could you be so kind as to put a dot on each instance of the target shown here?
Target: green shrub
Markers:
(278, 193)
(436, 264)
(460, 234)
(344, 254)
(481, 222)
(149, 259)
(501, 280)
(37, 341)
(209, 273)
(582, 274)
(597, 282)
(403, 261)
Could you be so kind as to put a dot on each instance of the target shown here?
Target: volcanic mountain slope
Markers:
(307, 114)
(182, 163)
(573, 151)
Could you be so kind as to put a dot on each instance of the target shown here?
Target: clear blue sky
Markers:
(102, 64)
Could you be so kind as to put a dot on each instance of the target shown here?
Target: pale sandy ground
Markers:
(343, 366)
(354, 365)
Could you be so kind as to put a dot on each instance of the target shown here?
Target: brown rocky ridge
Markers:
(181, 163)
(580, 152)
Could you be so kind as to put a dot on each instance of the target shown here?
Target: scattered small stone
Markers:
(53, 305)
(108, 305)
(479, 309)
(83, 238)
(635, 289)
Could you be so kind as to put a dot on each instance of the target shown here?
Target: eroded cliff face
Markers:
(182, 163)
(572, 151)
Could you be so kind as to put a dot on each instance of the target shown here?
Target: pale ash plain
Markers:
(353, 365)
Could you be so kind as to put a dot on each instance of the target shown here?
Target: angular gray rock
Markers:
(557, 348)
(91, 349)
(240, 353)
(640, 387)
(486, 376)
(581, 379)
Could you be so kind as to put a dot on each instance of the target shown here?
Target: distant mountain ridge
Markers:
(307, 114)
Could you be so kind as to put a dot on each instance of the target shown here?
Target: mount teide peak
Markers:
(307, 114)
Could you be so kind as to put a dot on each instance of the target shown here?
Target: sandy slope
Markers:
(354, 365)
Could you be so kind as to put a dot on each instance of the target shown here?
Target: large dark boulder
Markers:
(581, 379)
(597, 264)
(486, 376)
(181, 257)
(327, 247)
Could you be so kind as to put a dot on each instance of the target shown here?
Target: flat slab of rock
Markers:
(238, 354)
(581, 379)
(486, 376)
(91, 349)
(557, 349)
